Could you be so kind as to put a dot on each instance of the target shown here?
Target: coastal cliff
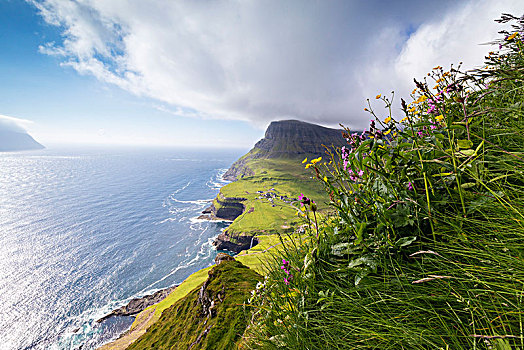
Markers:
(211, 316)
(287, 139)
(284, 145)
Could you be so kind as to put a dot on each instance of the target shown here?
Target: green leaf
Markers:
(466, 153)
(405, 241)
(465, 144)
(468, 185)
(360, 232)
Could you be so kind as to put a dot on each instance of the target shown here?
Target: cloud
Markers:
(264, 60)
(13, 124)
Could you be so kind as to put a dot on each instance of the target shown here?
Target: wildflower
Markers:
(420, 133)
(387, 120)
(414, 91)
(305, 160)
(378, 96)
(512, 36)
(404, 119)
(412, 109)
(315, 161)
(308, 165)
(360, 173)
(439, 118)
(410, 186)
(325, 179)
(387, 132)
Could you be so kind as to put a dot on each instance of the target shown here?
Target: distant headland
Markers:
(17, 141)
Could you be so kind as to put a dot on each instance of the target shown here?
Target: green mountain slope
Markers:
(211, 316)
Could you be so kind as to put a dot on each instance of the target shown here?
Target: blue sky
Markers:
(216, 73)
(67, 107)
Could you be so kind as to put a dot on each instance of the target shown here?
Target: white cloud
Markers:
(13, 124)
(267, 60)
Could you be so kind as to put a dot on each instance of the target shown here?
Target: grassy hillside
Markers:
(425, 248)
(284, 177)
(190, 323)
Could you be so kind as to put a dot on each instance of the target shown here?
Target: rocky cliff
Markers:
(212, 316)
(288, 139)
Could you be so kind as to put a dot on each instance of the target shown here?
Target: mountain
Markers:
(288, 139)
(17, 141)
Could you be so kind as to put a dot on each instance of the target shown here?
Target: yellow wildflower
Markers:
(378, 96)
(308, 165)
(435, 87)
(387, 132)
(315, 161)
(325, 179)
(305, 160)
(512, 36)
(387, 120)
(412, 109)
(404, 119)
(439, 118)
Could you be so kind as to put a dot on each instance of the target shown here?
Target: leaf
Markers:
(468, 185)
(466, 153)
(464, 144)
(360, 232)
(341, 249)
(501, 344)
(307, 261)
(364, 260)
(405, 241)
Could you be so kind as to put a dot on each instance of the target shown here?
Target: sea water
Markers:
(83, 231)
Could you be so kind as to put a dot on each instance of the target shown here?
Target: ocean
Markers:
(83, 231)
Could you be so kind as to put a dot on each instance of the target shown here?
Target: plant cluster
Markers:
(426, 246)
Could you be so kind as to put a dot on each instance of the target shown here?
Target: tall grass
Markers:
(426, 249)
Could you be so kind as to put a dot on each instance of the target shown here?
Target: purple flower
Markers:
(410, 186)
(420, 133)
(361, 172)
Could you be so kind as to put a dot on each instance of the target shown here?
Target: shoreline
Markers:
(137, 305)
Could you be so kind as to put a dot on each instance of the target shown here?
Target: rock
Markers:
(139, 304)
(240, 243)
(223, 257)
(288, 139)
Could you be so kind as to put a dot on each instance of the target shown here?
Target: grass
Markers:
(288, 178)
(184, 325)
(426, 248)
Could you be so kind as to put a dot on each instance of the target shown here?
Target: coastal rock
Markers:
(139, 304)
(224, 208)
(223, 257)
(234, 244)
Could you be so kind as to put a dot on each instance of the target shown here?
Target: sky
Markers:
(216, 73)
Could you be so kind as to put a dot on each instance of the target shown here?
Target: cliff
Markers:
(209, 317)
(288, 139)
(17, 141)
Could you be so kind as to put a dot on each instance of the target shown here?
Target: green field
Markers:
(284, 177)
